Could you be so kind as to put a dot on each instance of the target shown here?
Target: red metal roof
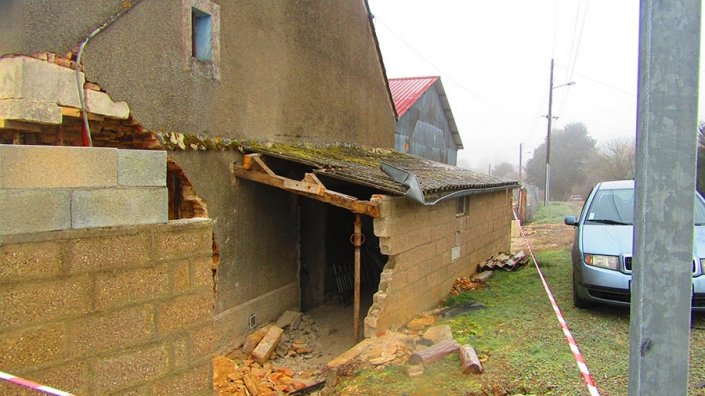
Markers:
(406, 91)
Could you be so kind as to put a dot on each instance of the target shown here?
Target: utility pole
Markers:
(489, 169)
(548, 140)
(520, 162)
(669, 46)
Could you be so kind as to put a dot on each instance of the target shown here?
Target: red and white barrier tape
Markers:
(32, 385)
(564, 326)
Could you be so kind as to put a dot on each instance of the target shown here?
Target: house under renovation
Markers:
(241, 166)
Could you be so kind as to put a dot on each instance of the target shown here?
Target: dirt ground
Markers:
(543, 237)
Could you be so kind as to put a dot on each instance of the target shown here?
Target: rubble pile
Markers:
(504, 261)
(277, 359)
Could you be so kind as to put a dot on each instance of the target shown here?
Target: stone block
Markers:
(202, 271)
(289, 320)
(108, 332)
(28, 261)
(438, 333)
(253, 339)
(194, 381)
(134, 367)
(30, 110)
(58, 167)
(265, 349)
(100, 103)
(203, 342)
(28, 348)
(109, 250)
(121, 288)
(180, 351)
(174, 242)
(186, 311)
(180, 276)
(141, 168)
(26, 77)
(25, 211)
(45, 301)
(70, 377)
(123, 206)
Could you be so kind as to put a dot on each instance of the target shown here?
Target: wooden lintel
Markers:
(331, 197)
(21, 126)
(74, 112)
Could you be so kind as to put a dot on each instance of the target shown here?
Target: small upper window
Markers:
(201, 31)
(462, 203)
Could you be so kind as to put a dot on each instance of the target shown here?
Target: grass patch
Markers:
(523, 348)
(555, 212)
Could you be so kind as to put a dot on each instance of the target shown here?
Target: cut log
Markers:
(483, 276)
(434, 352)
(469, 362)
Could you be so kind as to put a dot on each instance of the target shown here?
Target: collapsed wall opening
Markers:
(327, 254)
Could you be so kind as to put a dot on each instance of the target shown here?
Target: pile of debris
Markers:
(249, 378)
(262, 366)
(463, 284)
(419, 344)
(504, 261)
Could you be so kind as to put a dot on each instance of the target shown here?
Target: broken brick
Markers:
(268, 345)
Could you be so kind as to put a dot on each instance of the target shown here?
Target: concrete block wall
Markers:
(429, 247)
(124, 310)
(49, 188)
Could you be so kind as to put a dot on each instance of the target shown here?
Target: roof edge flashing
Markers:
(415, 193)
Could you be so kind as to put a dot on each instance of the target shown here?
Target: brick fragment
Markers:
(268, 345)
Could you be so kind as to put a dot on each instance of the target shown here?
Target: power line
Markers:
(447, 75)
(606, 84)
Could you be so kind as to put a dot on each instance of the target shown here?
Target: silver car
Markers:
(602, 248)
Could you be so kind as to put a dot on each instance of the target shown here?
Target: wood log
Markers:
(469, 363)
(434, 352)
(483, 276)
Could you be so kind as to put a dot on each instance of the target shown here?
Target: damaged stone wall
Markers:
(105, 310)
(428, 247)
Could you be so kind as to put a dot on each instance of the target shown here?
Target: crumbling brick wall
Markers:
(105, 310)
(98, 292)
(428, 247)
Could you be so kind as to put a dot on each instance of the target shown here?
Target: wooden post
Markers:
(357, 242)
(434, 352)
(469, 362)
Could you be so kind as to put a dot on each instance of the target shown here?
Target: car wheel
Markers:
(577, 301)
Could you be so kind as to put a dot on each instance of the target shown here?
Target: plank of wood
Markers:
(434, 352)
(331, 197)
(20, 126)
(469, 363)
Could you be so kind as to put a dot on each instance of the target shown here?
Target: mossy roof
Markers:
(361, 165)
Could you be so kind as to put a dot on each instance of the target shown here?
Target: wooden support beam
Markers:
(254, 169)
(74, 112)
(21, 126)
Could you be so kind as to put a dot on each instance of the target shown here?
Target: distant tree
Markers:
(505, 169)
(571, 151)
(616, 159)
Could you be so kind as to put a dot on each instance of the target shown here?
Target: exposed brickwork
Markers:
(422, 246)
(116, 311)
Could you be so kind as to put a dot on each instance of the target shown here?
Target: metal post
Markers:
(547, 183)
(669, 35)
(357, 242)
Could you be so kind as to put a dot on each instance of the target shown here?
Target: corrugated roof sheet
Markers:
(406, 91)
(361, 165)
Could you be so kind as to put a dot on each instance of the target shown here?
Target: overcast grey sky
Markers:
(494, 61)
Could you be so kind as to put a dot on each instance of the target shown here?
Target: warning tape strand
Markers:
(32, 385)
(579, 360)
